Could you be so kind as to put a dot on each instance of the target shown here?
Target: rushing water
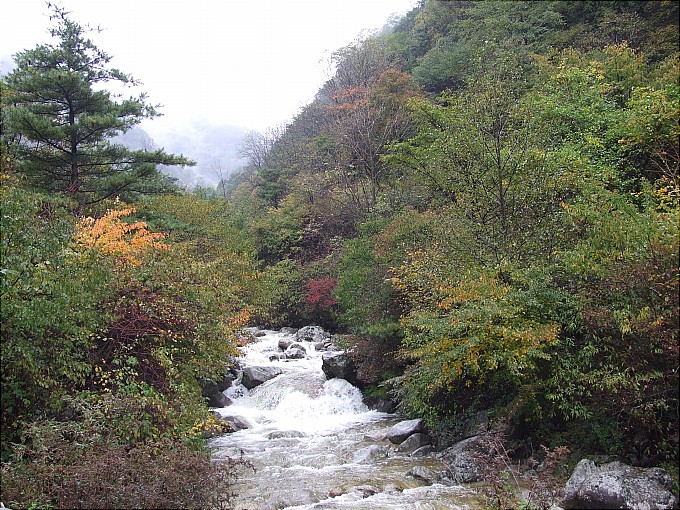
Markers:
(315, 445)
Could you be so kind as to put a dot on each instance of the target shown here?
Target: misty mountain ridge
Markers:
(214, 148)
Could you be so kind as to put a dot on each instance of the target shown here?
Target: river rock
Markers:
(413, 442)
(254, 376)
(311, 334)
(461, 460)
(423, 451)
(424, 474)
(617, 485)
(284, 343)
(288, 331)
(365, 491)
(236, 422)
(285, 434)
(339, 364)
(212, 390)
(364, 455)
(399, 432)
(296, 351)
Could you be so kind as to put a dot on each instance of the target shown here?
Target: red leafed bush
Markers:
(319, 293)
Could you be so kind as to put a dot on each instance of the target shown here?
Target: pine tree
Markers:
(60, 121)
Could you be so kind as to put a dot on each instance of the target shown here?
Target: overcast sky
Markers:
(247, 63)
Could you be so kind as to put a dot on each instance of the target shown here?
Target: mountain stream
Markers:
(316, 445)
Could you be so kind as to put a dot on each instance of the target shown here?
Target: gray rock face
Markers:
(617, 485)
(340, 365)
(399, 432)
(311, 334)
(414, 442)
(254, 376)
(461, 460)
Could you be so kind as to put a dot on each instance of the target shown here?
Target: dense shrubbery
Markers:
(485, 198)
(514, 242)
(125, 322)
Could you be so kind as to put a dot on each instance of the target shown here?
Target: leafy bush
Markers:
(80, 463)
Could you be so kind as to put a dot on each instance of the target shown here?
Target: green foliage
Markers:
(51, 297)
(279, 300)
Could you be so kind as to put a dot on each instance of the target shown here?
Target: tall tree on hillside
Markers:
(60, 121)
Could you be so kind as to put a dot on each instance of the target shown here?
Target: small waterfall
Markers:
(315, 444)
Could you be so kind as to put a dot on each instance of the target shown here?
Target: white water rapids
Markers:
(315, 445)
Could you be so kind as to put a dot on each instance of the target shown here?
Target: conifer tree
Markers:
(60, 120)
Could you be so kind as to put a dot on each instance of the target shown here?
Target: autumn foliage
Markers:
(111, 236)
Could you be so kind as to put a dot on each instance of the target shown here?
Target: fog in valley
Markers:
(214, 148)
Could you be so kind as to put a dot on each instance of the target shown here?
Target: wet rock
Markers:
(219, 400)
(236, 422)
(212, 390)
(254, 376)
(296, 351)
(259, 334)
(365, 455)
(319, 346)
(284, 343)
(413, 442)
(475, 425)
(366, 491)
(461, 460)
(423, 451)
(311, 334)
(288, 331)
(424, 474)
(340, 365)
(617, 485)
(276, 356)
(399, 432)
(285, 434)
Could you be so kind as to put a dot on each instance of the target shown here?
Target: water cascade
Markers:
(316, 445)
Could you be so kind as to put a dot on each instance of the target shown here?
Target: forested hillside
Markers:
(484, 199)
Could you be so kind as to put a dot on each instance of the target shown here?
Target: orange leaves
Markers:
(111, 236)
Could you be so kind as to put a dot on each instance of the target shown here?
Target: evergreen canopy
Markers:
(61, 121)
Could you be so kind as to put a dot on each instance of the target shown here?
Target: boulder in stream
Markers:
(414, 442)
(254, 376)
(296, 351)
(311, 334)
(284, 343)
(617, 485)
(425, 475)
(339, 364)
(368, 454)
(462, 461)
(399, 432)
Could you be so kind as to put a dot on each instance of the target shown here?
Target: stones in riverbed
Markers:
(462, 460)
(365, 455)
(414, 442)
(285, 434)
(617, 485)
(254, 376)
(339, 364)
(296, 351)
(311, 334)
(399, 432)
(424, 474)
